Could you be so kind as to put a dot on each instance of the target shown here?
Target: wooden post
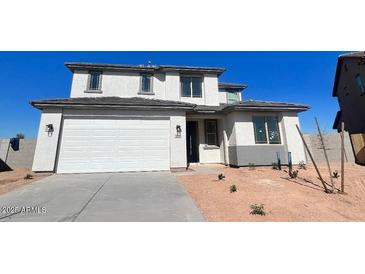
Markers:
(342, 158)
(314, 163)
(325, 154)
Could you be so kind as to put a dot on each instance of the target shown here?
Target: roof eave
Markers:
(266, 108)
(113, 106)
(239, 87)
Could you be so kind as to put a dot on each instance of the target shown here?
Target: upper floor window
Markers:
(266, 129)
(94, 80)
(146, 83)
(232, 97)
(191, 86)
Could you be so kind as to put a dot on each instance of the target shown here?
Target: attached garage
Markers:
(110, 134)
(113, 145)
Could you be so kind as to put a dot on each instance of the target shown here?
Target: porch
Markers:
(205, 142)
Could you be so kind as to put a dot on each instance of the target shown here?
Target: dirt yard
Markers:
(284, 199)
(10, 180)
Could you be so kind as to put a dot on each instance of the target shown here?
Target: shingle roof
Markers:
(144, 103)
(266, 105)
(142, 68)
(111, 101)
(253, 105)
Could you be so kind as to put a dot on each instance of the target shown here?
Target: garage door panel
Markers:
(112, 145)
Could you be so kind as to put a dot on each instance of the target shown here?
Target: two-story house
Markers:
(349, 88)
(144, 118)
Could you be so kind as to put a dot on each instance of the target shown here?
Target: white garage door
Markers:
(112, 145)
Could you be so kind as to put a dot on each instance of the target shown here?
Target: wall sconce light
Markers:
(49, 129)
(178, 131)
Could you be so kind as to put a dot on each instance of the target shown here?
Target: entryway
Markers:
(192, 143)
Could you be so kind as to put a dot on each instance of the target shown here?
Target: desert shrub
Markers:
(293, 174)
(302, 165)
(251, 166)
(335, 174)
(233, 188)
(20, 135)
(28, 177)
(275, 165)
(221, 176)
(258, 210)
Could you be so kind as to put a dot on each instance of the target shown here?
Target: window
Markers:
(232, 97)
(211, 132)
(191, 86)
(360, 84)
(146, 83)
(94, 80)
(266, 129)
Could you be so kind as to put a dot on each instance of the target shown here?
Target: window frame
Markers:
(236, 93)
(267, 130)
(206, 133)
(191, 86)
(141, 91)
(100, 75)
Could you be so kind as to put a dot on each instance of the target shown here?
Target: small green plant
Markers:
(335, 174)
(293, 174)
(233, 188)
(28, 177)
(221, 176)
(258, 210)
(302, 165)
(251, 166)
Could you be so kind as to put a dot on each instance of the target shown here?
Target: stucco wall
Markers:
(164, 86)
(46, 148)
(292, 138)
(45, 155)
(240, 134)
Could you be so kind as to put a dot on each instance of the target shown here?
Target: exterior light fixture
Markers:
(178, 131)
(49, 129)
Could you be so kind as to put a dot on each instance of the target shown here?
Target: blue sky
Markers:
(298, 77)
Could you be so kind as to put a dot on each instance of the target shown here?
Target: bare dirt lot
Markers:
(284, 199)
(10, 180)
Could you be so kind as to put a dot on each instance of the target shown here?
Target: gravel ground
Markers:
(284, 199)
(10, 180)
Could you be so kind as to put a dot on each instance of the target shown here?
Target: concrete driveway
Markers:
(143, 196)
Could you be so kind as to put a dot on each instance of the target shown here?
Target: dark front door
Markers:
(192, 147)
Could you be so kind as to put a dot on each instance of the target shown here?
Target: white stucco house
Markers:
(145, 118)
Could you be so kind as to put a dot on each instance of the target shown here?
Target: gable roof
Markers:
(72, 66)
(144, 103)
